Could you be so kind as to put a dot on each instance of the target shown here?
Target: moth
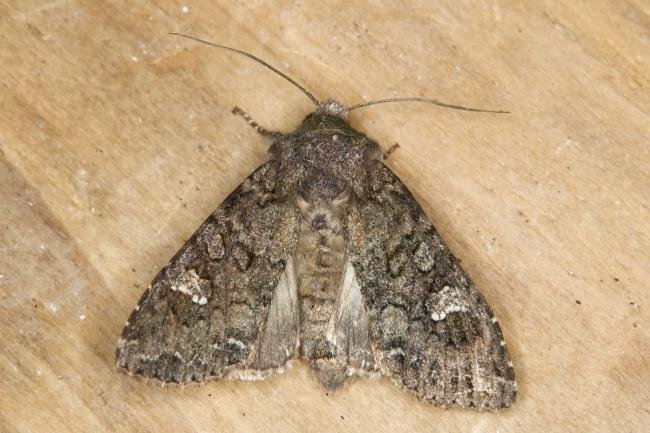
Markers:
(321, 254)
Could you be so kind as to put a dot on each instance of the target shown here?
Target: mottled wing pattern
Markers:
(204, 314)
(431, 330)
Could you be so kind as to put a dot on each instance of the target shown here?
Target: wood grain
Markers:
(116, 140)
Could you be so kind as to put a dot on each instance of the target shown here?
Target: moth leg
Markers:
(390, 150)
(263, 131)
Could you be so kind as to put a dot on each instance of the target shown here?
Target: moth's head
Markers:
(330, 115)
(332, 108)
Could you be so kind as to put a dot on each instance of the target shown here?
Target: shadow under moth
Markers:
(321, 254)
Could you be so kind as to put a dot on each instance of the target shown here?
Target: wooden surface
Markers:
(116, 141)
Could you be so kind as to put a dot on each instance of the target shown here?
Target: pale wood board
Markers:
(116, 141)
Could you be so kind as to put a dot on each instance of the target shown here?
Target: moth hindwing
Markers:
(321, 254)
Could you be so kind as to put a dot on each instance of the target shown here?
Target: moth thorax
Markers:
(323, 187)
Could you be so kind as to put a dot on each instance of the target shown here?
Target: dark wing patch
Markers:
(431, 330)
(203, 314)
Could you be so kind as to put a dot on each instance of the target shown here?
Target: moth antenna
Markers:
(428, 101)
(258, 60)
